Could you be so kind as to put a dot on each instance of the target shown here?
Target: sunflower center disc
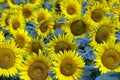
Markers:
(102, 34)
(71, 10)
(78, 27)
(20, 42)
(61, 46)
(7, 58)
(15, 24)
(40, 17)
(110, 59)
(36, 46)
(43, 27)
(38, 71)
(68, 67)
(97, 15)
(26, 12)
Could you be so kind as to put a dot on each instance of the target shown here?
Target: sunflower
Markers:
(108, 57)
(36, 67)
(6, 15)
(61, 43)
(45, 28)
(27, 11)
(21, 38)
(70, 8)
(96, 13)
(35, 3)
(41, 15)
(102, 33)
(10, 59)
(16, 22)
(69, 66)
(35, 45)
(77, 27)
(12, 4)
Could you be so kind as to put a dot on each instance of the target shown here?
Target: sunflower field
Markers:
(59, 39)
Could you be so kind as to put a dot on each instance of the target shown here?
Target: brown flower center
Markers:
(36, 46)
(7, 58)
(97, 15)
(102, 34)
(61, 46)
(32, 1)
(38, 71)
(44, 27)
(40, 17)
(12, 1)
(20, 41)
(111, 59)
(78, 27)
(15, 24)
(27, 12)
(71, 9)
(68, 67)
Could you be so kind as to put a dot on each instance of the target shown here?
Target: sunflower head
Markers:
(7, 59)
(45, 28)
(21, 38)
(97, 15)
(71, 8)
(10, 59)
(111, 59)
(78, 27)
(67, 65)
(96, 12)
(108, 57)
(35, 45)
(41, 15)
(37, 69)
(6, 14)
(61, 43)
(102, 32)
(27, 11)
(16, 22)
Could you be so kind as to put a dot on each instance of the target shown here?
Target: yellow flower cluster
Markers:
(32, 58)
